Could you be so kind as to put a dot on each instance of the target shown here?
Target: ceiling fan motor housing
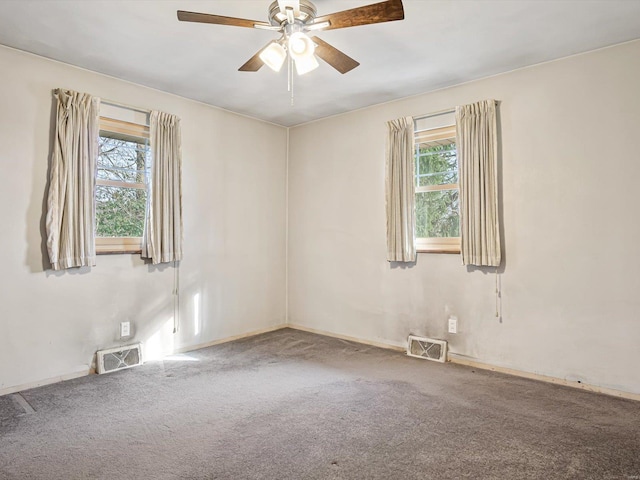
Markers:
(308, 13)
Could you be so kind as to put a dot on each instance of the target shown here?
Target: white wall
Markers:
(234, 171)
(571, 280)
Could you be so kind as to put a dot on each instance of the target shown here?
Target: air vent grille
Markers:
(422, 347)
(119, 358)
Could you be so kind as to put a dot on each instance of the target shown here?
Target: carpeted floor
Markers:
(293, 405)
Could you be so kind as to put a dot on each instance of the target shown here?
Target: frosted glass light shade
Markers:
(306, 64)
(300, 46)
(274, 56)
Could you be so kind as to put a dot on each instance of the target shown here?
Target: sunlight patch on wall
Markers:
(161, 343)
(197, 321)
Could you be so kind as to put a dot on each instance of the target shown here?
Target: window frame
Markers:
(436, 244)
(120, 245)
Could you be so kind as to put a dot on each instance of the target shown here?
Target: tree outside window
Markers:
(121, 188)
(437, 191)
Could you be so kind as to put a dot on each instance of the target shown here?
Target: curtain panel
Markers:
(70, 218)
(400, 191)
(477, 146)
(162, 240)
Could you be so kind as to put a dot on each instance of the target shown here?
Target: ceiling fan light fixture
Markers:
(293, 19)
(300, 46)
(274, 56)
(306, 64)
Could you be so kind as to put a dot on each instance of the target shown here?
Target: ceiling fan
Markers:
(294, 20)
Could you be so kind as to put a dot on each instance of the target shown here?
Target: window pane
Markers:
(436, 165)
(122, 160)
(437, 214)
(120, 212)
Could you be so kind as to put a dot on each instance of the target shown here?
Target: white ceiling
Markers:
(440, 43)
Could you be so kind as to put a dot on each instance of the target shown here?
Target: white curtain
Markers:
(477, 146)
(400, 190)
(163, 233)
(70, 205)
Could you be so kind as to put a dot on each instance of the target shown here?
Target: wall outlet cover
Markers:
(125, 329)
(453, 325)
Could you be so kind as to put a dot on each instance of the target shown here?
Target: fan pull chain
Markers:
(290, 75)
(497, 295)
(176, 296)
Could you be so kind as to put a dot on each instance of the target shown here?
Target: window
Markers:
(121, 186)
(437, 191)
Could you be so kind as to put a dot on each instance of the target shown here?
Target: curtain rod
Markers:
(435, 114)
(122, 105)
(443, 112)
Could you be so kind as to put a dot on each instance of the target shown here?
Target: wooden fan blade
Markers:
(254, 63)
(334, 57)
(388, 11)
(218, 19)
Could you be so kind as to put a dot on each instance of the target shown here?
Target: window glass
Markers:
(437, 214)
(437, 191)
(120, 212)
(436, 165)
(122, 184)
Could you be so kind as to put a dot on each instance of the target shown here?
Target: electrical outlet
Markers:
(125, 329)
(453, 325)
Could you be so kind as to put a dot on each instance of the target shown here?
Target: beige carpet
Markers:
(293, 405)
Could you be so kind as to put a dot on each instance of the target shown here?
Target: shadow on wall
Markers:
(37, 256)
(402, 265)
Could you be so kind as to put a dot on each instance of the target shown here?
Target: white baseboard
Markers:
(46, 381)
(88, 371)
(253, 333)
(453, 358)
(388, 346)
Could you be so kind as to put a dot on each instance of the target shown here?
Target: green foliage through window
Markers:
(120, 212)
(437, 214)
(437, 209)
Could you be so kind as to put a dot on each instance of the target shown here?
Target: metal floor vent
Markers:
(119, 358)
(428, 348)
